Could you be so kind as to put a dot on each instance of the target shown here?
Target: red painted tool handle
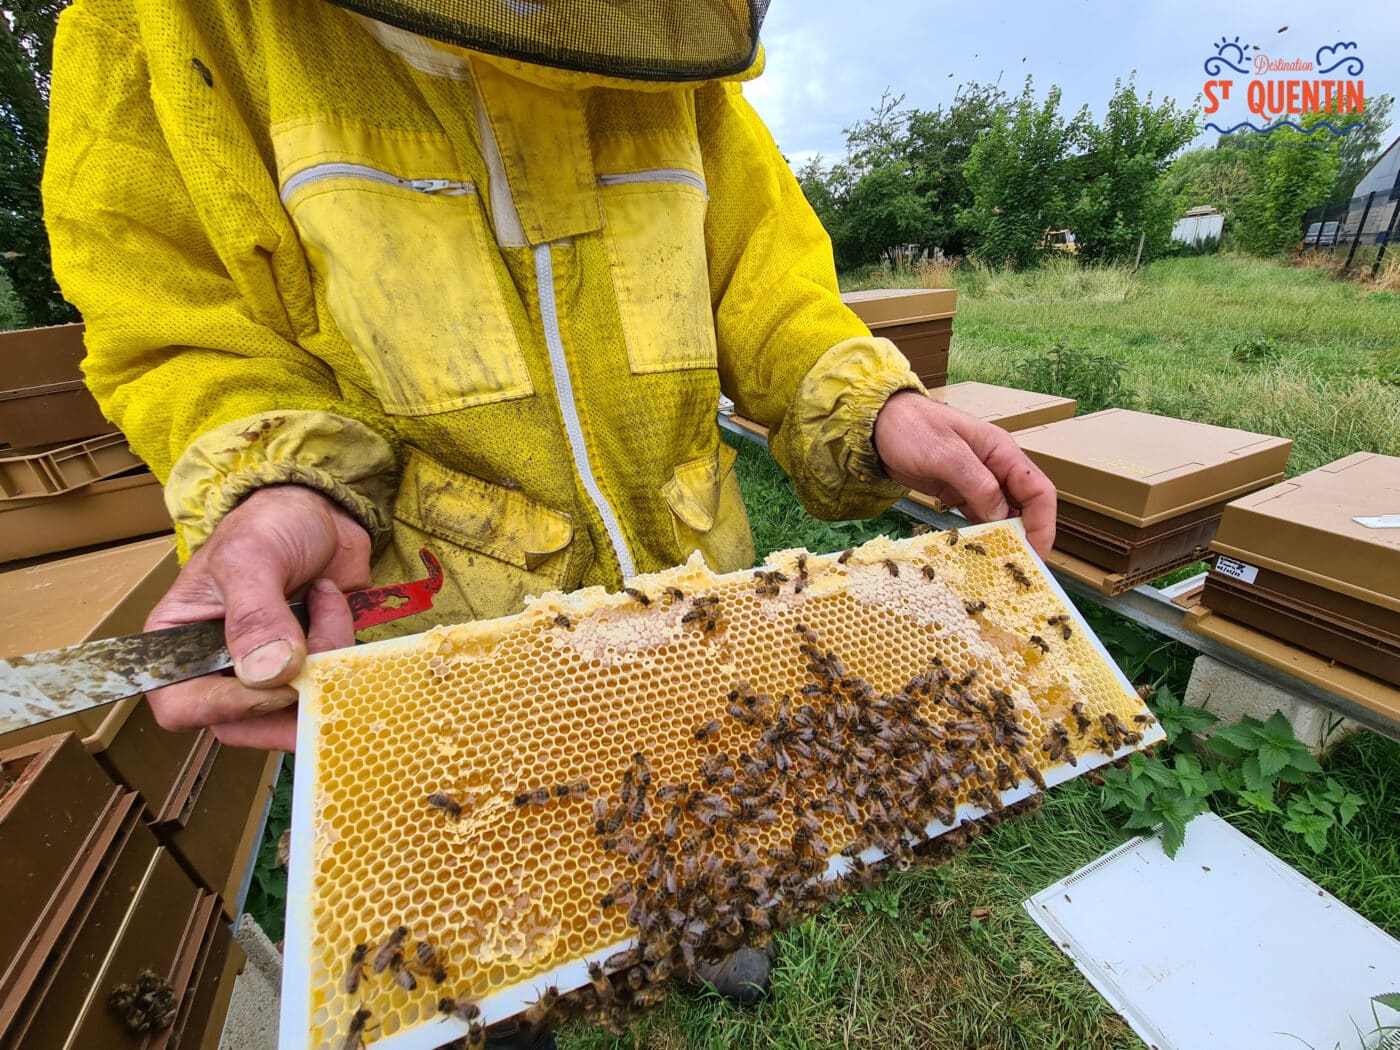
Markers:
(381, 604)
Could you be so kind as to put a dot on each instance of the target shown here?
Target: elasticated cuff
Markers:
(340, 458)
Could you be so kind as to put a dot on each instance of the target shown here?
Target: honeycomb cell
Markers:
(822, 690)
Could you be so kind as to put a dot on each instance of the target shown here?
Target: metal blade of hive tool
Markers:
(48, 685)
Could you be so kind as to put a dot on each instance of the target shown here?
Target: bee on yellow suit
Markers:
(464, 274)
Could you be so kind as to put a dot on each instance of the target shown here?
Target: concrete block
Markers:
(1231, 694)
(257, 993)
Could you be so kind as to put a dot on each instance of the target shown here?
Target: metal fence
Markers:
(1359, 230)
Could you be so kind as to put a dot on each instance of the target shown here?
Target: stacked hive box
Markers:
(154, 830)
(526, 796)
(67, 480)
(1316, 561)
(917, 320)
(1141, 494)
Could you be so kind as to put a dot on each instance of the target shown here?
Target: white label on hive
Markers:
(1236, 569)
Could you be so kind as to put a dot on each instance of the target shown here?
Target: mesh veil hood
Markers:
(659, 40)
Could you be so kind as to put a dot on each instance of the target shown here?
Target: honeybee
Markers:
(953, 537)
(624, 959)
(845, 556)
(674, 593)
(354, 1036)
(1018, 574)
(462, 1008)
(1081, 720)
(356, 968)
(1143, 720)
(707, 730)
(535, 797)
(671, 792)
(930, 573)
(891, 567)
(623, 893)
(388, 948)
(975, 548)
(1056, 745)
(403, 976)
(539, 1011)
(1031, 771)
(445, 802)
(602, 987)
(575, 791)
(476, 1036)
(1039, 643)
(974, 608)
(563, 621)
(426, 963)
(637, 596)
(639, 809)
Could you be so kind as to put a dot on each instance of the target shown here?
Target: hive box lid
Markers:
(1008, 408)
(1305, 528)
(1142, 469)
(882, 307)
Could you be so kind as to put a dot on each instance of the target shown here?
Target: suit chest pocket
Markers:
(411, 279)
(654, 227)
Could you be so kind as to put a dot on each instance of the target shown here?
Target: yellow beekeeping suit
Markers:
(487, 307)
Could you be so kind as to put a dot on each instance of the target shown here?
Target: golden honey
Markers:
(497, 715)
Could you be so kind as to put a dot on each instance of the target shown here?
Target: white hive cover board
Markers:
(1225, 946)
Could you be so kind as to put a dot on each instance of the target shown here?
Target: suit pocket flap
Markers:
(694, 489)
(479, 515)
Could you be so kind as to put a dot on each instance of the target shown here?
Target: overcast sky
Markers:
(829, 60)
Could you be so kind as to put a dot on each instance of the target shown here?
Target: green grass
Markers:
(1176, 326)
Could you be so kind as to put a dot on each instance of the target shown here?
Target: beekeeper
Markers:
(469, 275)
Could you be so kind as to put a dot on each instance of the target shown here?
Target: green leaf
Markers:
(1222, 747)
(1158, 772)
(1272, 758)
(1129, 794)
(1390, 999)
(1173, 838)
(1348, 807)
(1253, 778)
(1260, 800)
(1243, 734)
(1189, 777)
(1279, 730)
(1312, 826)
(1302, 758)
(1291, 774)
(1141, 820)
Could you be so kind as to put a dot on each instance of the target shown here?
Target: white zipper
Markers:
(564, 393)
(684, 176)
(318, 172)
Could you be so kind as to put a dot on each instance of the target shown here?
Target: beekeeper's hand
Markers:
(965, 462)
(274, 543)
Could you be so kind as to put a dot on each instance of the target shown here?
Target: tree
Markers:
(1018, 177)
(1359, 148)
(1291, 172)
(1219, 178)
(1123, 198)
(26, 55)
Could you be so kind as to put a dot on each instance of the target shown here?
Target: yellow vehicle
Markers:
(1061, 241)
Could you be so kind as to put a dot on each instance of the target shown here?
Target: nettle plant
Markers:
(1250, 765)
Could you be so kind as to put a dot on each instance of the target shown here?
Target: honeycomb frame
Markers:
(314, 1006)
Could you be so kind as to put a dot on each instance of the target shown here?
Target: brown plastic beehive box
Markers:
(571, 690)
(1140, 492)
(216, 834)
(1005, 406)
(213, 991)
(101, 513)
(917, 320)
(104, 594)
(59, 815)
(42, 396)
(1297, 564)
